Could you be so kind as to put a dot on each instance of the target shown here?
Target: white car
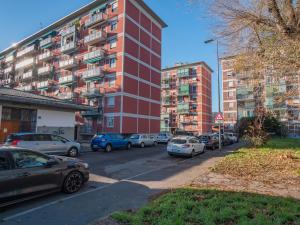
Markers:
(232, 137)
(164, 138)
(185, 145)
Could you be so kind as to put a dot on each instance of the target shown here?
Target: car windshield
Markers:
(178, 141)
(135, 136)
(162, 135)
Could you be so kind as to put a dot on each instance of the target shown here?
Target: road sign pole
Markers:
(220, 142)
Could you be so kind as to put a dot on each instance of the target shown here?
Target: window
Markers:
(111, 81)
(42, 137)
(111, 101)
(113, 25)
(113, 43)
(114, 6)
(231, 105)
(24, 159)
(112, 63)
(58, 138)
(230, 84)
(110, 122)
(4, 163)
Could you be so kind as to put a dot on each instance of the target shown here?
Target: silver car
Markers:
(45, 143)
(142, 140)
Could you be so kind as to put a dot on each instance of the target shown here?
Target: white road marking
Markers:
(90, 191)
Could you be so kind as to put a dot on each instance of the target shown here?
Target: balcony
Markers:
(165, 86)
(8, 70)
(94, 19)
(92, 93)
(68, 30)
(25, 63)
(45, 56)
(9, 59)
(183, 108)
(94, 56)
(184, 89)
(95, 38)
(46, 43)
(68, 64)
(26, 51)
(66, 80)
(67, 48)
(27, 76)
(25, 88)
(43, 85)
(46, 70)
(66, 95)
(92, 74)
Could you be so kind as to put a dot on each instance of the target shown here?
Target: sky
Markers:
(183, 39)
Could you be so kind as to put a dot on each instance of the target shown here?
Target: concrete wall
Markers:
(56, 122)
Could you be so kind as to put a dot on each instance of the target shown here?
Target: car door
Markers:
(32, 173)
(8, 187)
(196, 144)
(59, 144)
(43, 143)
(122, 142)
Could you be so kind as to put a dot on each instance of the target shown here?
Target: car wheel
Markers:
(108, 148)
(94, 149)
(193, 154)
(128, 147)
(73, 182)
(73, 152)
(170, 154)
(142, 145)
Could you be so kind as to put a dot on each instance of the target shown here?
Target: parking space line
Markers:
(90, 191)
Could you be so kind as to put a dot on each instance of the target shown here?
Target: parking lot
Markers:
(121, 179)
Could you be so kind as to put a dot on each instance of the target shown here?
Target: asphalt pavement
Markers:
(120, 180)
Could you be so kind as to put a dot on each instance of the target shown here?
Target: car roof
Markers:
(184, 137)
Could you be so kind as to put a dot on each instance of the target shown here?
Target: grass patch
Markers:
(276, 162)
(212, 207)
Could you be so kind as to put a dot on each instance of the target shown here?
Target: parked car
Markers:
(211, 141)
(225, 139)
(164, 138)
(25, 174)
(45, 143)
(142, 140)
(232, 137)
(109, 142)
(185, 145)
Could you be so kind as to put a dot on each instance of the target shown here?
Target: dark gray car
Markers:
(25, 174)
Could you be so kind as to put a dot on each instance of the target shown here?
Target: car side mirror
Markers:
(51, 162)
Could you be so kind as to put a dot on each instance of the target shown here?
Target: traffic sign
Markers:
(219, 118)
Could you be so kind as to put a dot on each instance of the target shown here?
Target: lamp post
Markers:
(219, 92)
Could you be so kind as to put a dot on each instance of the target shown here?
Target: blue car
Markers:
(109, 142)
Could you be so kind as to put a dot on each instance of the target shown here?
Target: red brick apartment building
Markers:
(107, 54)
(230, 82)
(186, 98)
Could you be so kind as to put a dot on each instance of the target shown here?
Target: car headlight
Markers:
(85, 165)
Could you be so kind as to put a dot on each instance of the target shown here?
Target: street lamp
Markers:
(219, 93)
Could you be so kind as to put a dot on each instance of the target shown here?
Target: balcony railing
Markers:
(68, 30)
(66, 80)
(26, 51)
(27, 76)
(94, 56)
(92, 93)
(45, 70)
(8, 70)
(68, 64)
(95, 37)
(9, 59)
(96, 18)
(65, 96)
(25, 88)
(91, 74)
(45, 56)
(68, 47)
(46, 42)
(43, 84)
(25, 63)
